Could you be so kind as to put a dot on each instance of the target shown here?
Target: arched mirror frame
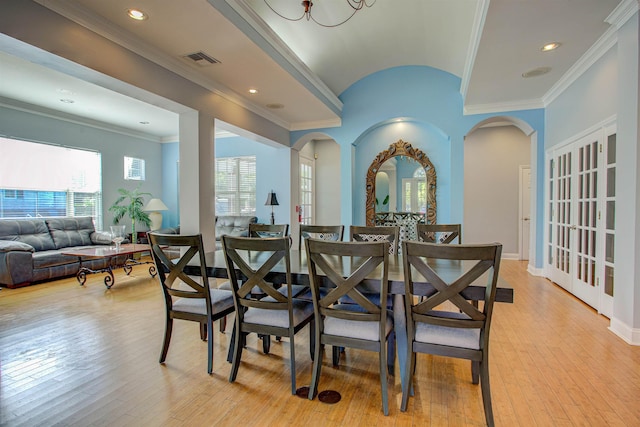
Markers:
(401, 148)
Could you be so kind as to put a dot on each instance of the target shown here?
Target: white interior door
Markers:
(560, 206)
(581, 226)
(525, 212)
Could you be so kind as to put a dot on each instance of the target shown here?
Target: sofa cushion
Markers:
(233, 225)
(33, 232)
(10, 246)
(46, 259)
(71, 231)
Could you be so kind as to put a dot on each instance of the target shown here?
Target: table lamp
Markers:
(272, 201)
(154, 207)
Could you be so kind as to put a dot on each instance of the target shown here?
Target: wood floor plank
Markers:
(87, 356)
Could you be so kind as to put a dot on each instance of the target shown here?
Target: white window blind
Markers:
(134, 169)
(236, 185)
(41, 180)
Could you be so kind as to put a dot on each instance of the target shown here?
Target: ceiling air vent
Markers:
(200, 58)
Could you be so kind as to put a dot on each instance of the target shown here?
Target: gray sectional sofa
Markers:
(233, 225)
(31, 248)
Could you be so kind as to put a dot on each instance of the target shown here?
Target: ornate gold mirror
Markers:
(402, 149)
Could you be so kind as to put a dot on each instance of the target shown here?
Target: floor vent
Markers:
(200, 58)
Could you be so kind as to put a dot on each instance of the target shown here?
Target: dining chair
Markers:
(268, 230)
(440, 233)
(445, 323)
(390, 233)
(276, 314)
(363, 325)
(322, 232)
(187, 297)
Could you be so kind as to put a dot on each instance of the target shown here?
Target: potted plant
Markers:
(131, 204)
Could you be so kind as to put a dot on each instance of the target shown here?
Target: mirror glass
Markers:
(401, 179)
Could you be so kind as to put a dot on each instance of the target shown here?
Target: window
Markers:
(306, 191)
(236, 185)
(414, 195)
(41, 180)
(133, 169)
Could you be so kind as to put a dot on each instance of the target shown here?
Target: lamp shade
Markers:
(155, 205)
(271, 199)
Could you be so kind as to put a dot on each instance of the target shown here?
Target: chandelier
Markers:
(356, 5)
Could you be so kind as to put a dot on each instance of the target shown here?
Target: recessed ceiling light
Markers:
(536, 72)
(144, 123)
(550, 46)
(65, 91)
(137, 14)
(67, 101)
(253, 91)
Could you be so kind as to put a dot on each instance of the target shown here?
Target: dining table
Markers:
(447, 269)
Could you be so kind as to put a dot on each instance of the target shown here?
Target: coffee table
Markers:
(111, 255)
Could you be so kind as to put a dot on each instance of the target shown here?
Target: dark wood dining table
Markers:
(216, 267)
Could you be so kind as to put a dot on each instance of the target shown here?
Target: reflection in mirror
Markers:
(406, 178)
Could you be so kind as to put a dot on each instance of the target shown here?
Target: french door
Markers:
(581, 218)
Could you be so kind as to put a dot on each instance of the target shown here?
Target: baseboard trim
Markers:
(535, 271)
(515, 256)
(626, 333)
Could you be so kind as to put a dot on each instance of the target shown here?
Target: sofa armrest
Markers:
(16, 267)
(100, 238)
(12, 245)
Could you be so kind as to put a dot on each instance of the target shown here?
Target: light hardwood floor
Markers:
(88, 356)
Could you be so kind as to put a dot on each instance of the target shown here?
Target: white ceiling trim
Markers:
(321, 124)
(595, 52)
(247, 21)
(476, 34)
(531, 104)
(102, 27)
(70, 118)
(622, 13)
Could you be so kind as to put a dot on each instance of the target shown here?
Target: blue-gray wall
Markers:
(112, 146)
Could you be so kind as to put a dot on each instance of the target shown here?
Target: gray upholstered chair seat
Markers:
(280, 318)
(369, 330)
(444, 335)
(220, 301)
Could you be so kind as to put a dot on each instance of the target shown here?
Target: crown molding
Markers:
(482, 8)
(501, 107)
(240, 13)
(622, 13)
(70, 118)
(595, 52)
(104, 28)
(320, 124)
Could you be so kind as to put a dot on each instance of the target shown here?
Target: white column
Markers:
(625, 321)
(197, 176)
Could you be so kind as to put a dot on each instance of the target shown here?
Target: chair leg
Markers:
(312, 338)
(383, 377)
(266, 343)
(317, 364)
(408, 379)
(335, 356)
(223, 324)
(203, 331)
(292, 363)
(167, 339)
(237, 354)
(209, 327)
(475, 371)
(231, 345)
(486, 391)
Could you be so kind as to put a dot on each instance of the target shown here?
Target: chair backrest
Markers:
(387, 233)
(332, 233)
(249, 261)
(327, 261)
(268, 230)
(447, 233)
(171, 253)
(450, 269)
